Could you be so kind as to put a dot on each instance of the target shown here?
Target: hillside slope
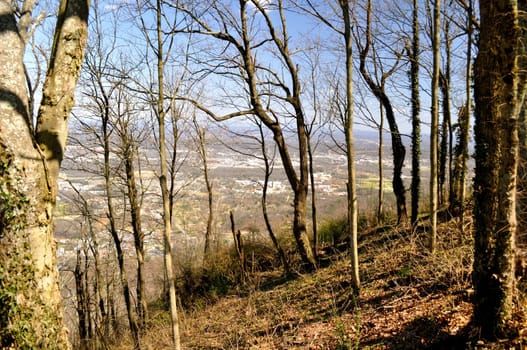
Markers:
(409, 300)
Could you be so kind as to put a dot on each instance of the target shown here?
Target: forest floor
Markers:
(409, 299)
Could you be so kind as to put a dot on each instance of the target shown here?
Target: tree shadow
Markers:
(422, 333)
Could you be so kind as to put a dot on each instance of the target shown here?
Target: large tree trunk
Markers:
(521, 208)
(299, 182)
(499, 96)
(30, 301)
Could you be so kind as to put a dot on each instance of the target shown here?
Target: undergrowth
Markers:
(408, 296)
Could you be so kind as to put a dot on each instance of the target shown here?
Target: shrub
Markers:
(333, 231)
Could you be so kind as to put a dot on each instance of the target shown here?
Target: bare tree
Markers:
(106, 100)
(263, 84)
(158, 46)
(101, 331)
(350, 151)
(129, 154)
(378, 89)
(200, 141)
(268, 158)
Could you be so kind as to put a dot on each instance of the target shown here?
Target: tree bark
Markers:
(434, 128)
(238, 245)
(30, 301)
(416, 120)
(499, 96)
(82, 312)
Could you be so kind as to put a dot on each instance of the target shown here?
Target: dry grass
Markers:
(409, 299)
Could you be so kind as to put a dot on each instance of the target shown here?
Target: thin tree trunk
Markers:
(81, 302)
(434, 125)
(268, 170)
(238, 245)
(398, 149)
(139, 237)
(313, 198)
(167, 225)
(521, 210)
(201, 144)
(466, 120)
(380, 197)
(416, 119)
(350, 150)
(134, 329)
(444, 85)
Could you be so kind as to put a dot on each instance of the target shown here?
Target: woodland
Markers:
(117, 232)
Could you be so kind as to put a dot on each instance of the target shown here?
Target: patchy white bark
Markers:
(29, 291)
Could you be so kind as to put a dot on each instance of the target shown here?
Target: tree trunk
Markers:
(350, 149)
(201, 144)
(446, 127)
(139, 236)
(238, 245)
(167, 224)
(434, 128)
(299, 182)
(134, 329)
(380, 148)
(416, 120)
(268, 170)
(82, 312)
(499, 96)
(521, 209)
(30, 301)
(458, 193)
(398, 149)
(313, 198)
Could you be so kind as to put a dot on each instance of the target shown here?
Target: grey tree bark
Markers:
(30, 301)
